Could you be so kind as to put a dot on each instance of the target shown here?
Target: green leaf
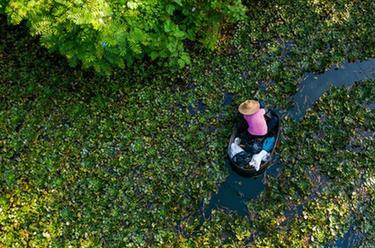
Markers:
(168, 26)
(179, 34)
(170, 9)
(154, 55)
(179, 2)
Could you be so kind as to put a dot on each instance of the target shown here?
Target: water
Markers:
(228, 98)
(314, 85)
(351, 239)
(200, 107)
(236, 191)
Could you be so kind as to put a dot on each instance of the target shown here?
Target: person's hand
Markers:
(255, 165)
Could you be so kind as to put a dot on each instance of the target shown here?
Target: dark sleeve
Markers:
(262, 104)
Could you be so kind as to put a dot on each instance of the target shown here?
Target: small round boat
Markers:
(241, 127)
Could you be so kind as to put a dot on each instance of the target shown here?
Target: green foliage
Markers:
(90, 161)
(105, 34)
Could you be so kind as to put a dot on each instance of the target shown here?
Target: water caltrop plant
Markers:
(132, 160)
(113, 33)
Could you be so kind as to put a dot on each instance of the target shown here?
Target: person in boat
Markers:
(259, 126)
(254, 113)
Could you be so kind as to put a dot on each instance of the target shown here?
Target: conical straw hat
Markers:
(249, 107)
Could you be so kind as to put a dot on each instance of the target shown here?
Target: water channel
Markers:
(236, 191)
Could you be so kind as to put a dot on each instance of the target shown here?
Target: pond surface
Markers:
(351, 239)
(236, 191)
(314, 85)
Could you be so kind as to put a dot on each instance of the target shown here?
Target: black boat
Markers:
(241, 127)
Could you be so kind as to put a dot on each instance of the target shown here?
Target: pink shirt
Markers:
(257, 123)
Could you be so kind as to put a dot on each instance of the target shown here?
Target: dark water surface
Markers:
(314, 85)
(372, 105)
(236, 191)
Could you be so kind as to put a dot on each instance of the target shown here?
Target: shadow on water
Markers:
(236, 191)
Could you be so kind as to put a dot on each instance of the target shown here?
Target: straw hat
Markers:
(249, 107)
